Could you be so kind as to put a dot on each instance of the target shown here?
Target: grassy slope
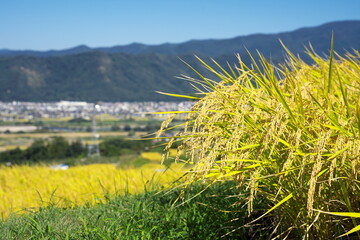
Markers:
(144, 216)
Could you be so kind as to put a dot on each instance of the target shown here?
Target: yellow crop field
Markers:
(152, 156)
(157, 157)
(11, 147)
(25, 187)
(173, 152)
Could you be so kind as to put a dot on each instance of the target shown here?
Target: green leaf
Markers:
(252, 166)
(247, 147)
(331, 63)
(321, 173)
(238, 160)
(172, 112)
(212, 174)
(337, 128)
(355, 229)
(274, 207)
(284, 142)
(175, 137)
(344, 214)
(178, 95)
(337, 153)
(199, 74)
(232, 173)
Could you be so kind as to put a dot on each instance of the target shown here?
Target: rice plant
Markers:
(286, 133)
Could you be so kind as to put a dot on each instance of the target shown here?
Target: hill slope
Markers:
(91, 77)
(134, 72)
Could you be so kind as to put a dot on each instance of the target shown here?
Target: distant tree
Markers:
(58, 148)
(78, 120)
(131, 134)
(41, 150)
(37, 151)
(76, 148)
(14, 156)
(119, 146)
(151, 127)
(115, 128)
(127, 128)
(138, 129)
(39, 123)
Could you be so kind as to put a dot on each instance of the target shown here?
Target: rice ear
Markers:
(300, 122)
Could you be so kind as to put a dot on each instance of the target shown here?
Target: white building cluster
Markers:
(10, 111)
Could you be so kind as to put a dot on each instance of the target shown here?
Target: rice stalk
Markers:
(282, 130)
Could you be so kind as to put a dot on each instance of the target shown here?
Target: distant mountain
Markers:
(347, 36)
(50, 53)
(134, 72)
(92, 76)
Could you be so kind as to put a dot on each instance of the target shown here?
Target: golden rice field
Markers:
(157, 157)
(25, 187)
(12, 147)
(152, 156)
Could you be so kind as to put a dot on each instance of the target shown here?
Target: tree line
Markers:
(43, 150)
(58, 148)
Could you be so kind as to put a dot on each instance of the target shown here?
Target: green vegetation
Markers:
(119, 146)
(104, 75)
(59, 149)
(90, 77)
(290, 134)
(125, 153)
(71, 148)
(153, 215)
(41, 151)
(127, 126)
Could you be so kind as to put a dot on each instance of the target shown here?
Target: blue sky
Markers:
(60, 24)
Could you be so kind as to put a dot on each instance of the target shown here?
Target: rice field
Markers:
(152, 156)
(12, 147)
(25, 188)
(156, 157)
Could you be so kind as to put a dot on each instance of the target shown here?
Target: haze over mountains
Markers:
(134, 72)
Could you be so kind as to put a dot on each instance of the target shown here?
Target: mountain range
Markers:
(134, 72)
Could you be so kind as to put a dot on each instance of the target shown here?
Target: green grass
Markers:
(152, 215)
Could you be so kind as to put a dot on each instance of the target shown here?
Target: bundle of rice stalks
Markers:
(289, 134)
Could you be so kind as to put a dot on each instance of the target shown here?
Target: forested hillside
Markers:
(134, 72)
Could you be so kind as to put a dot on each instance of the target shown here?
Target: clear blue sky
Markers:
(59, 24)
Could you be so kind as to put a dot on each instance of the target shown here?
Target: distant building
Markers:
(72, 104)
